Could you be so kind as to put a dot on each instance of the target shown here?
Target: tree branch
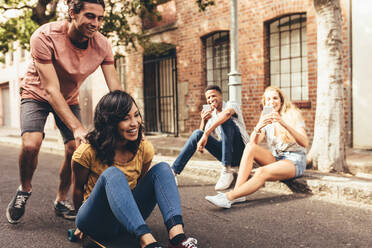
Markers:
(15, 8)
(53, 10)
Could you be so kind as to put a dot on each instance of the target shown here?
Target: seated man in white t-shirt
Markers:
(225, 121)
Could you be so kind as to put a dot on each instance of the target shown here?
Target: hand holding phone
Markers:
(207, 107)
(267, 110)
(206, 113)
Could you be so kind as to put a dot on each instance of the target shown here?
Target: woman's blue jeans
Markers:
(113, 208)
(228, 150)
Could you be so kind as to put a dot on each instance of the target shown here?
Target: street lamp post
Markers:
(235, 84)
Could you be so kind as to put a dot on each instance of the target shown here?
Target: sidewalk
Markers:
(356, 187)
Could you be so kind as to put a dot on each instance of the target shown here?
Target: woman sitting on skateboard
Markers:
(115, 185)
(282, 125)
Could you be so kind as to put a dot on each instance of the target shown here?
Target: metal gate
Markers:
(5, 110)
(160, 95)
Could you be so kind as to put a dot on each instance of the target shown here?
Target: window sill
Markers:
(302, 104)
(161, 29)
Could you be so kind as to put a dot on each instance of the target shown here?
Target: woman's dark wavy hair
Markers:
(110, 110)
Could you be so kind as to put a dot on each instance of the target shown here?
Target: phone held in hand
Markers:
(267, 110)
(206, 107)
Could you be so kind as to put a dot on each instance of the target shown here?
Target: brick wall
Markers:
(192, 25)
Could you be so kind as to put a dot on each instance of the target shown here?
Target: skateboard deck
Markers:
(125, 241)
(122, 242)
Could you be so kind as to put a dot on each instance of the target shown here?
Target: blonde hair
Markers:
(288, 111)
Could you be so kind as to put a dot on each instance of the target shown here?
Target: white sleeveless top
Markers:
(276, 145)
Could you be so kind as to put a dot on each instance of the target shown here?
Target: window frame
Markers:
(219, 43)
(289, 27)
(120, 66)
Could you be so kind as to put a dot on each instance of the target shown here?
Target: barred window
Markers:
(218, 61)
(120, 68)
(288, 55)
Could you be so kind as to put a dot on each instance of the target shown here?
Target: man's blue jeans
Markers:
(113, 208)
(228, 150)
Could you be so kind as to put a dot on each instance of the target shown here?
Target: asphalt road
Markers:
(265, 220)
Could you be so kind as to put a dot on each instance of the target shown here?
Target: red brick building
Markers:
(277, 45)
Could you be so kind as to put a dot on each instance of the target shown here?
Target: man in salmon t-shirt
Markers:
(64, 54)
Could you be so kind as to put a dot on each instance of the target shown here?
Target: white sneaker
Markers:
(225, 180)
(220, 200)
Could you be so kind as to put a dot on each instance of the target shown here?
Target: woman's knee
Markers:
(112, 172)
(263, 173)
(160, 167)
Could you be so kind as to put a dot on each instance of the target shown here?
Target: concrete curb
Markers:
(333, 186)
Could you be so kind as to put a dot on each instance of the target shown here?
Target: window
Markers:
(11, 57)
(288, 56)
(120, 68)
(218, 61)
(23, 54)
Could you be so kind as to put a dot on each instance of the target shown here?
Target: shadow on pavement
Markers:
(252, 202)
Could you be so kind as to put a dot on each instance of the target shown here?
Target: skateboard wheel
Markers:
(71, 235)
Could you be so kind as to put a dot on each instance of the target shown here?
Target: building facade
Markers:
(277, 45)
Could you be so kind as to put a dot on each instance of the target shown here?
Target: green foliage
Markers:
(203, 4)
(116, 21)
(16, 29)
(157, 49)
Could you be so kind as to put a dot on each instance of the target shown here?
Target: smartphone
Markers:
(267, 110)
(206, 107)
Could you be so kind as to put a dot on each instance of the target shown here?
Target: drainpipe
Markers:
(235, 85)
(350, 85)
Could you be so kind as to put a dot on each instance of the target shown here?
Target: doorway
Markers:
(160, 94)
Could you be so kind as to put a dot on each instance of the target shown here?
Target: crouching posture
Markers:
(115, 185)
(284, 130)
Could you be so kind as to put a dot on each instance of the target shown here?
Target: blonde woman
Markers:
(284, 130)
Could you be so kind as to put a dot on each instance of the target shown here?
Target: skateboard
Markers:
(89, 242)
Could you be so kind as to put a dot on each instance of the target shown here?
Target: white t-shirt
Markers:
(237, 118)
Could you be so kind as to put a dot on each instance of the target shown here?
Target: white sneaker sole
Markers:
(240, 199)
(10, 220)
(215, 203)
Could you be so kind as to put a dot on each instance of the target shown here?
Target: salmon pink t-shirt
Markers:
(50, 44)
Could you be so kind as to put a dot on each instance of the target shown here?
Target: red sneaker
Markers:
(187, 243)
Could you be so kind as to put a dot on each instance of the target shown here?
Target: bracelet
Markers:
(256, 131)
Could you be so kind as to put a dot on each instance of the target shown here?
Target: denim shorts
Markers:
(297, 158)
(35, 113)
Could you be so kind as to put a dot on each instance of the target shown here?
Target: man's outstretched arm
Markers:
(49, 81)
(111, 77)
